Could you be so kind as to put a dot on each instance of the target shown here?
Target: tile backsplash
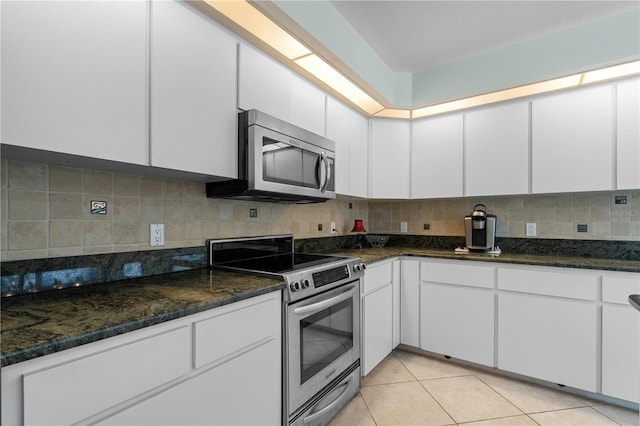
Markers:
(555, 215)
(45, 211)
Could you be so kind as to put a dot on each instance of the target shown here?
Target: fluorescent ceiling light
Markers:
(252, 20)
(616, 71)
(394, 113)
(326, 73)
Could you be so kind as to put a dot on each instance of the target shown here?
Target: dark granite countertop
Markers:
(370, 255)
(39, 324)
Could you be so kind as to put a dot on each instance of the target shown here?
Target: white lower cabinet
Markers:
(457, 322)
(240, 391)
(552, 340)
(192, 370)
(457, 310)
(378, 307)
(548, 324)
(410, 302)
(620, 337)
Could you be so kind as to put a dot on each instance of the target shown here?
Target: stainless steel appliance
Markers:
(279, 162)
(480, 229)
(321, 321)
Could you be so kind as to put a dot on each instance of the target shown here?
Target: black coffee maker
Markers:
(480, 229)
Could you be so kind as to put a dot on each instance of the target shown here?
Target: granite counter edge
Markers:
(578, 263)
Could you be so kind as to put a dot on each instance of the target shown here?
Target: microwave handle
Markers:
(327, 172)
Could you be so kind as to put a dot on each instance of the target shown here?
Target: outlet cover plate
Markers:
(531, 230)
(403, 227)
(156, 234)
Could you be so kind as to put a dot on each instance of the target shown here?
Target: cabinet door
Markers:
(572, 141)
(436, 157)
(307, 106)
(549, 339)
(75, 78)
(263, 84)
(410, 303)
(620, 352)
(377, 327)
(457, 321)
(193, 92)
(358, 155)
(628, 131)
(244, 390)
(349, 130)
(338, 131)
(496, 150)
(390, 143)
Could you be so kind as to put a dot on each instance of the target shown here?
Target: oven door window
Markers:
(324, 337)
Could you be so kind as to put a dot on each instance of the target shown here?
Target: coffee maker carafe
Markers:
(480, 229)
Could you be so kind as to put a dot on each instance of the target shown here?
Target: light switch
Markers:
(531, 230)
(403, 227)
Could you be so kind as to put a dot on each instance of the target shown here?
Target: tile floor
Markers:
(411, 389)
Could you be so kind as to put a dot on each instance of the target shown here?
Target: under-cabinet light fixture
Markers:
(246, 16)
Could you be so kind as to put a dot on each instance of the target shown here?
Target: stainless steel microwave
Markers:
(279, 162)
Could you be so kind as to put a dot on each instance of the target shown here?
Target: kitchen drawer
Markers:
(460, 273)
(70, 392)
(616, 289)
(236, 327)
(562, 283)
(377, 275)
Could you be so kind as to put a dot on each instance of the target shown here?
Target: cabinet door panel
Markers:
(496, 157)
(218, 396)
(549, 339)
(377, 328)
(193, 92)
(572, 141)
(628, 131)
(410, 303)
(390, 142)
(307, 106)
(436, 157)
(74, 78)
(621, 352)
(458, 322)
(358, 155)
(338, 131)
(72, 391)
(263, 84)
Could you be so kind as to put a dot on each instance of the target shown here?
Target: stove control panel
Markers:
(316, 280)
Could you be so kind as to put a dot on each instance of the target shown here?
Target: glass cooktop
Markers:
(280, 263)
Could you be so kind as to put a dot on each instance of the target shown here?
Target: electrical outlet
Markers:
(333, 228)
(531, 230)
(426, 226)
(582, 228)
(156, 234)
(253, 212)
(403, 227)
(319, 227)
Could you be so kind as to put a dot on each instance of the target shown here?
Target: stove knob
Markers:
(294, 286)
(364, 266)
(356, 268)
(305, 284)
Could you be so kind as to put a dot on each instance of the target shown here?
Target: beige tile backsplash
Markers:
(45, 212)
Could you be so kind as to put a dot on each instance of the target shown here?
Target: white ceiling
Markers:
(413, 36)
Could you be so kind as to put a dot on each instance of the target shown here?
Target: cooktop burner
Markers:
(280, 263)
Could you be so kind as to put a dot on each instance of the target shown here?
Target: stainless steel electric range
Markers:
(321, 321)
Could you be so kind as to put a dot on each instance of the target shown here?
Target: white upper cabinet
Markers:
(572, 141)
(349, 130)
(74, 78)
(628, 131)
(307, 106)
(496, 150)
(390, 155)
(436, 157)
(263, 83)
(193, 92)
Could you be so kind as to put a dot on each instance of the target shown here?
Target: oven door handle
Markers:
(346, 385)
(315, 307)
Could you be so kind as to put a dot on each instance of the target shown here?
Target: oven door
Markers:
(282, 164)
(323, 334)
